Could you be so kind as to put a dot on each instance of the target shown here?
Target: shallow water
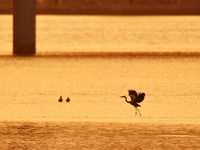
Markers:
(31, 86)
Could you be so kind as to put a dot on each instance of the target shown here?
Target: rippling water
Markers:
(98, 136)
(110, 33)
(96, 116)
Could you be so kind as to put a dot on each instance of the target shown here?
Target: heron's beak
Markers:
(122, 96)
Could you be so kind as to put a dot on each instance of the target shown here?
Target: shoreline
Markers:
(112, 54)
(98, 122)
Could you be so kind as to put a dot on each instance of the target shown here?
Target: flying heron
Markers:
(135, 99)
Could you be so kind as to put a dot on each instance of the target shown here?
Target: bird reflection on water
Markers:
(135, 99)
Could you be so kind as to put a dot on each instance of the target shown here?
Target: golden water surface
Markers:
(109, 33)
(96, 117)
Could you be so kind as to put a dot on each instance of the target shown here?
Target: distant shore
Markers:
(106, 8)
(121, 54)
(113, 54)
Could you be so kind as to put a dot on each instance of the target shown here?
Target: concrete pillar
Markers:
(24, 27)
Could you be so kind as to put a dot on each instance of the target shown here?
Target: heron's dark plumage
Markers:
(132, 92)
(140, 97)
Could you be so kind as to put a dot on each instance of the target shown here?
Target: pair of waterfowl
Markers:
(61, 99)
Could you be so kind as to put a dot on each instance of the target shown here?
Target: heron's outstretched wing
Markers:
(140, 97)
(132, 92)
(133, 97)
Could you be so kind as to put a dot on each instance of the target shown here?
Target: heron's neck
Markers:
(126, 99)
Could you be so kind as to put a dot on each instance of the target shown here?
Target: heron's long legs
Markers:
(135, 110)
(138, 111)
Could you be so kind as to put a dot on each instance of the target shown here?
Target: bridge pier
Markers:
(24, 28)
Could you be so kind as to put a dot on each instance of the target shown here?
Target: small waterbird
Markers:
(135, 99)
(60, 99)
(67, 100)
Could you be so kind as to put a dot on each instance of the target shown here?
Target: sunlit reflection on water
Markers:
(68, 33)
